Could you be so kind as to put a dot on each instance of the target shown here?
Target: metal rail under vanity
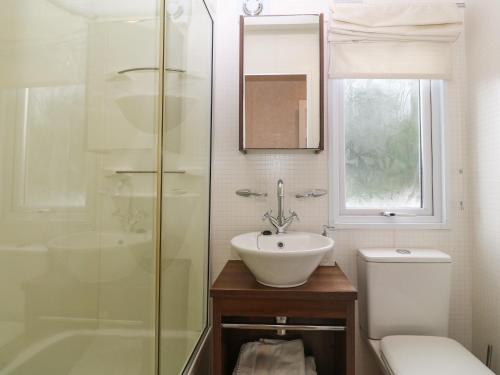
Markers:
(277, 327)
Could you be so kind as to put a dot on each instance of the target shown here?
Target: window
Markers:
(44, 147)
(387, 154)
(51, 158)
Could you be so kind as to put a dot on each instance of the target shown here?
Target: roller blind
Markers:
(393, 40)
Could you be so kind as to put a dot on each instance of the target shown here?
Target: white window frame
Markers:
(14, 166)
(433, 213)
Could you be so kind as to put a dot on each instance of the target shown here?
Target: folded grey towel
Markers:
(310, 366)
(274, 357)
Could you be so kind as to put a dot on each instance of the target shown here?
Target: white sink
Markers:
(282, 260)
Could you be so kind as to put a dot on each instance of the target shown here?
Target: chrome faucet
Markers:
(280, 222)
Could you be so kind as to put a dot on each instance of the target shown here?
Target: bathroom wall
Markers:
(300, 171)
(483, 56)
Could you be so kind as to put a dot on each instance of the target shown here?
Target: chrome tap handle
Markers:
(293, 214)
(267, 215)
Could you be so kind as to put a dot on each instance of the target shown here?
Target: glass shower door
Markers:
(186, 181)
(79, 97)
(77, 186)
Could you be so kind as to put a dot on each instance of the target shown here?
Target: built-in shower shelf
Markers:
(147, 195)
(194, 171)
(181, 73)
(185, 195)
(174, 171)
(151, 69)
(112, 172)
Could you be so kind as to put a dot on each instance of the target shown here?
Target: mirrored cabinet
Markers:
(281, 83)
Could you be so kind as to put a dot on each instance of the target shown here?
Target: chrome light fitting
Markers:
(252, 7)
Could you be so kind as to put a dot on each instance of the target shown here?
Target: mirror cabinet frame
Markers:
(321, 63)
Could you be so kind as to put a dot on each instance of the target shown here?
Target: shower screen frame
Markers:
(192, 358)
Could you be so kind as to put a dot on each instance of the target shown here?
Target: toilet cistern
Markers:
(280, 222)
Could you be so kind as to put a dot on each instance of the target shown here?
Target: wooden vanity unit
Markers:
(320, 312)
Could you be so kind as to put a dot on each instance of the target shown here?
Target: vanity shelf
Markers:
(320, 312)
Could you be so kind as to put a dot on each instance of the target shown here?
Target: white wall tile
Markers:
(483, 54)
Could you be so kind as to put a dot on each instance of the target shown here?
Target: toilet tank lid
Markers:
(403, 255)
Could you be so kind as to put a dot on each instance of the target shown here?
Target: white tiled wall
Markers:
(483, 56)
(232, 170)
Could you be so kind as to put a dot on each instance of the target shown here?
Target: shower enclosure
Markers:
(105, 127)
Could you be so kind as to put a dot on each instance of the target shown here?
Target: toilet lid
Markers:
(429, 355)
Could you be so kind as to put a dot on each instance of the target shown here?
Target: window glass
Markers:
(51, 151)
(382, 144)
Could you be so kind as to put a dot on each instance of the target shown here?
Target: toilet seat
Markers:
(429, 355)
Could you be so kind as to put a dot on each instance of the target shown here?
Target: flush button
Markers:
(403, 251)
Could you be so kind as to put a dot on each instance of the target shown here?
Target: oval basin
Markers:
(282, 260)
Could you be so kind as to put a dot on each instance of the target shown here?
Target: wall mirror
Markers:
(281, 82)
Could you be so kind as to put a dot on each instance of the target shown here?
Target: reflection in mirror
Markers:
(281, 82)
(276, 111)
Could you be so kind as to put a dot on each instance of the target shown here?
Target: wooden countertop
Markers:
(327, 282)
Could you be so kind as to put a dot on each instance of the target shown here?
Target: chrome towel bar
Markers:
(276, 327)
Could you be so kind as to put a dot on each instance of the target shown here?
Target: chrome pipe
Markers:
(281, 198)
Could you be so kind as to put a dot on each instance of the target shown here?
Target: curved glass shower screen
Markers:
(80, 270)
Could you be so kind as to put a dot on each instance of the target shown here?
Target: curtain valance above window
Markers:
(393, 40)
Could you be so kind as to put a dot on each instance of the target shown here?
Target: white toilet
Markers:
(404, 297)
